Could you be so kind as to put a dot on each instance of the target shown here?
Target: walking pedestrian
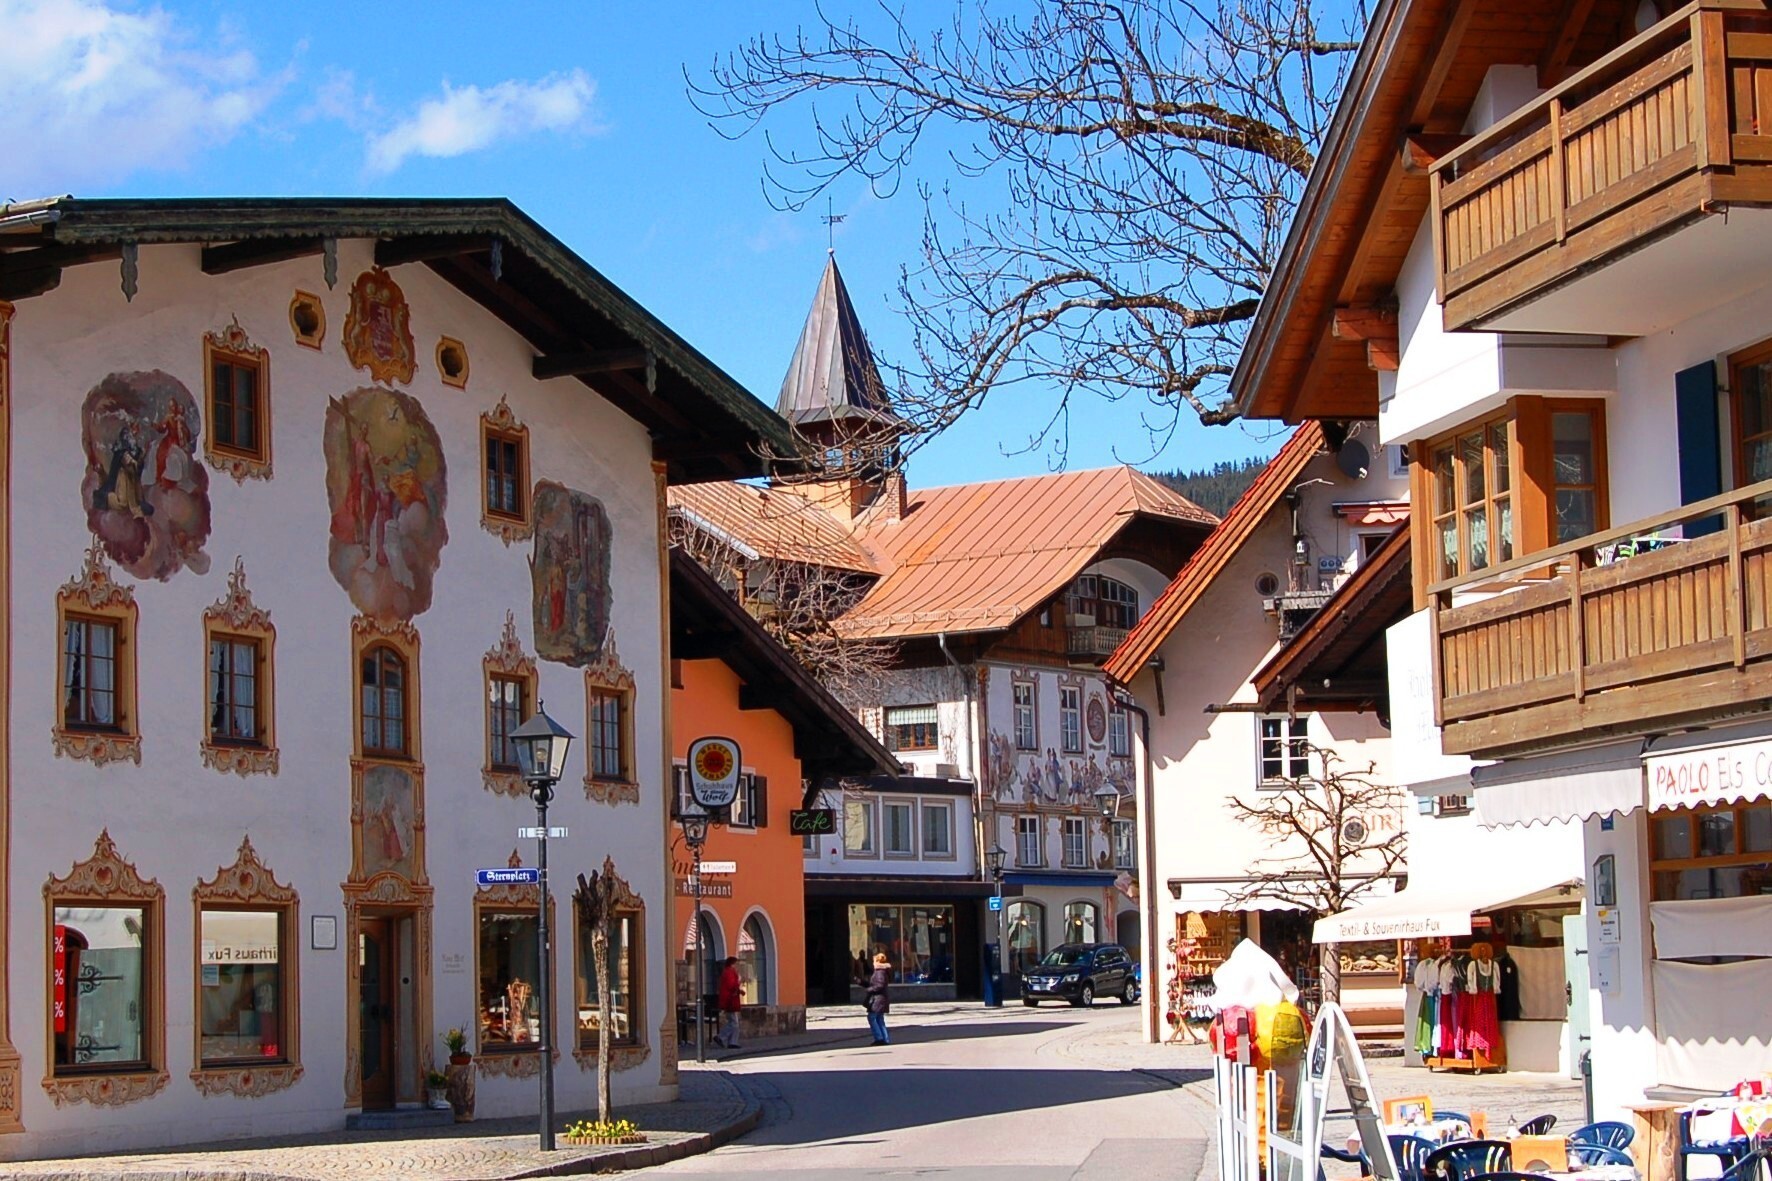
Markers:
(878, 1002)
(731, 1001)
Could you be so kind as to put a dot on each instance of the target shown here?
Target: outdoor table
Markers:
(1658, 1134)
(1440, 1131)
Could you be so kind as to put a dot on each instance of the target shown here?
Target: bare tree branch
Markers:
(1113, 181)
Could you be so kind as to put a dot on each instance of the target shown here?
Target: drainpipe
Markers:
(1155, 992)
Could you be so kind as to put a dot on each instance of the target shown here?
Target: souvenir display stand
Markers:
(1457, 1026)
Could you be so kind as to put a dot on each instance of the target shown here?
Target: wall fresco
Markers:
(389, 843)
(570, 574)
(386, 487)
(1037, 779)
(146, 496)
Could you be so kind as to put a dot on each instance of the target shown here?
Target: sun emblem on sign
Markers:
(714, 761)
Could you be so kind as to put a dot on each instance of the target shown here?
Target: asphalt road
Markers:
(969, 1095)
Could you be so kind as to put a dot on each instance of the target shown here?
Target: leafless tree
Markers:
(1333, 839)
(800, 604)
(1119, 176)
(595, 901)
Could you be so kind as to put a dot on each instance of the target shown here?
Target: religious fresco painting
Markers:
(146, 496)
(385, 486)
(570, 574)
(389, 840)
(378, 328)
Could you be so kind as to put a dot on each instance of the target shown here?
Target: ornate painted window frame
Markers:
(608, 675)
(96, 595)
(624, 1053)
(386, 895)
(248, 884)
(507, 658)
(236, 616)
(501, 423)
(107, 879)
(445, 346)
(402, 637)
(304, 337)
(233, 345)
(522, 1062)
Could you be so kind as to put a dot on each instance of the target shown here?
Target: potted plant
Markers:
(437, 1089)
(596, 1131)
(457, 1040)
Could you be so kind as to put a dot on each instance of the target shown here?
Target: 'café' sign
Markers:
(1714, 776)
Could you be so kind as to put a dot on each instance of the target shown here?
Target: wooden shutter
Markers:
(1701, 452)
(760, 801)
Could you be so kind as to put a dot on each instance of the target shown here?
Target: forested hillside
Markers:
(1215, 488)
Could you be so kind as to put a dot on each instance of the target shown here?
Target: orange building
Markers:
(731, 678)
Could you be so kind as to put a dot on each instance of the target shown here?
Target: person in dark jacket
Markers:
(878, 1001)
(731, 1001)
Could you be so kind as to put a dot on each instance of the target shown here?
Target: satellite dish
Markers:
(1353, 459)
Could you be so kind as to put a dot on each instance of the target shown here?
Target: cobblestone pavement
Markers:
(712, 1110)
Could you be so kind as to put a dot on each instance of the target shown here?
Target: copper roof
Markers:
(978, 557)
(1281, 473)
(774, 523)
(832, 375)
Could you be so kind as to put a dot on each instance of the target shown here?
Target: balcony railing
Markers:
(1643, 140)
(1579, 640)
(1094, 642)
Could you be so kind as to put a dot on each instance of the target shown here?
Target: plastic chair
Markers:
(1464, 1159)
(1328, 1152)
(1609, 1132)
(1538, 1125)
(1505, 1176)
(1411, 1153)
(1457, 1115)
(1599, 1154)
(1753, 1166)
(1728, 1152)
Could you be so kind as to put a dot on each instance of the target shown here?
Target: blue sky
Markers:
(575, 111)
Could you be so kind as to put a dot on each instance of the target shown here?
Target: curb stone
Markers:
(641, 1156)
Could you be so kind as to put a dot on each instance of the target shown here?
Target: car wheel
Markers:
(1130, 996)
(1030, 1002)
(1086, 996)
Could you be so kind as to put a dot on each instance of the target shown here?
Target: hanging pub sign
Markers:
(812, 822)
(713, 772)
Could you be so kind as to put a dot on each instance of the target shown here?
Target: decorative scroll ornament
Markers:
(235, 611)
(233, 340)
(508, 529)
(608, 791)
(246, 881)
(607, 671)
(506, 658)
(510, 1063)
(667, 1058)
(369, 627)
(105, 1090)
(620, 1057)
(236, 608)
(251, 1082)
(95, 589)
(378, 328)
(105, 875)
(98, 747)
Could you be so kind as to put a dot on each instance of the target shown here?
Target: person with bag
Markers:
(877, 1000)
(731, 1000)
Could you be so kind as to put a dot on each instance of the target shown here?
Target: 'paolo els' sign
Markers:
(713, 772)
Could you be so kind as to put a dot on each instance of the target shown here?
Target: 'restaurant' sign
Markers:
(1720, 774)
(713, 772)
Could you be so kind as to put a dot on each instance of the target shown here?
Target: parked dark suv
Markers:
(1080, 972)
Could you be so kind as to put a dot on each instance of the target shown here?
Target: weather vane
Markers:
(830, 219)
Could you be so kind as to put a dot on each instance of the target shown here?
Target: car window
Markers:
(1064, 957)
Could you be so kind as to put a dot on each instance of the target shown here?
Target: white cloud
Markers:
(92, 94)
(469, 118)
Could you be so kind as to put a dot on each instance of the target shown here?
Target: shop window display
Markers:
(917, 940)
(509, 945)
(1024, 933)
(1723, 851)
(241, 984)
(623, 1028)
(100, 1009)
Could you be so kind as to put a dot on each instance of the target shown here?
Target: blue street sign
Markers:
(996, 902)
(521, 875)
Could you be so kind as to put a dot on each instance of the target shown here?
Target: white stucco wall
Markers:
(178, 821)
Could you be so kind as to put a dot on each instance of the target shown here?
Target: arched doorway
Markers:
(1082, 922)
(756, 959)
(1024, 933)
(711, 948)
(1126, 932)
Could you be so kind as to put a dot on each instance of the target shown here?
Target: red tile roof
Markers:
(776, 523)
(1281, 473)
(978, 557)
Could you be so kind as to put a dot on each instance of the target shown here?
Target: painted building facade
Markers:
(295, 535)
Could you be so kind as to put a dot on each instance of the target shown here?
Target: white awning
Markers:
(1571, 785)
(1430, 909)
(1722, 766)
(1217, 897)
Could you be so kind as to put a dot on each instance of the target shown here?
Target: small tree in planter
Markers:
(596, 899)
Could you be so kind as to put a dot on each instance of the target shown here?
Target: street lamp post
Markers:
(541, 744)
(994, 859)
(695, 834)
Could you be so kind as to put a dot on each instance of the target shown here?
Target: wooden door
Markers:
(377, 1016)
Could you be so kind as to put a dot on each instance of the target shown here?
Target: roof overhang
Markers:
(703, 424)
(709, 624)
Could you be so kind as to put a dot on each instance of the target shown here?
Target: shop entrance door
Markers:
(377, 1010)
(1576, 984)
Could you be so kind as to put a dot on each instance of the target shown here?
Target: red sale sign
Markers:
(61, 979)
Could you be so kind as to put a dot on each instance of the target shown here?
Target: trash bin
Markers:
(993, 978)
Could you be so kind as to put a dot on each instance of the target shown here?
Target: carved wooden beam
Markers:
(257, 252)
(582, 364)
(393, 252)
(1376, 324)
(1420, 150)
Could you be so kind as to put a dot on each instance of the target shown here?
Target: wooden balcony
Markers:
(1664, 133)
(1579, 642)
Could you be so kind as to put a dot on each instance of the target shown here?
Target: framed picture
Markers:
(1606, 880)
(1411, 1111)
